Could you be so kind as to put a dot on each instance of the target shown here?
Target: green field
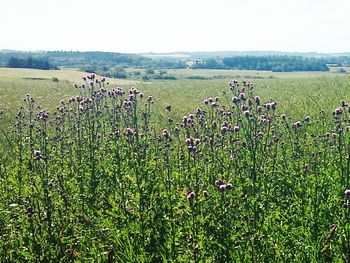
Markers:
(200, 172)
(301, 92)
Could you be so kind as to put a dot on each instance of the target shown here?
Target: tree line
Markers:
(29, 62)
(96, 61)
(271, 63)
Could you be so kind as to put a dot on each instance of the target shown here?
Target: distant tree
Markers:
(150, 71)
(29, 62)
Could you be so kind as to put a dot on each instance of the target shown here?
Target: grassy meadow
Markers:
(255, 169)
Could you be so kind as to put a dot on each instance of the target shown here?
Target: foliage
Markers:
(103, 178)
(29, 62)
(272, 63)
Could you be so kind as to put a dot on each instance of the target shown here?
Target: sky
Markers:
(136, 26)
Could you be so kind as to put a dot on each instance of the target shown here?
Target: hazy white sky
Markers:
(178, 25)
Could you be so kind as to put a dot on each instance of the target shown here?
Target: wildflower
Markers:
(190, 196)
(213, 104)
(234, 99)
(244, 107)
(37, 155)
(257, 100)
(206, 102)
(296, 125)
(273, 105)
(307, 118)
(219, 182)
(246, 113)
(129, 132)
(166, 134)
(190, 239)
(347, 192)
(338, 111)
(205, 193)
(234, 83)
(242, 96)
(236, 128)
(283, 116)
(222, 187)
(223, 129)
(177, 130)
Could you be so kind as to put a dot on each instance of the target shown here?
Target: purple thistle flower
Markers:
(224, 129)
(257, 100)
(273, 105)
(190, 196)
(129, 132)
(166, 134)
(234, 99)
(338, 111)
(37, 155)
(213, 104)
(296, 125)
(205, 193)
(242, 96)
(222, 187)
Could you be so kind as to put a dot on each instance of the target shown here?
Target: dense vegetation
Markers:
(106, 178)
(29, 62)
(272, 63)
(111, 64)
(96, 61)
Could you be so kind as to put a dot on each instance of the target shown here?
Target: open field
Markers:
(16, 83)
(301, 92)
(252, 74)
(229, 173)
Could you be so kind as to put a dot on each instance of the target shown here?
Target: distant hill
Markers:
(225, 54)
(112, 64)
(80, 59)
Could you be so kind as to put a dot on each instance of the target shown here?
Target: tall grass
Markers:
(110, 177)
